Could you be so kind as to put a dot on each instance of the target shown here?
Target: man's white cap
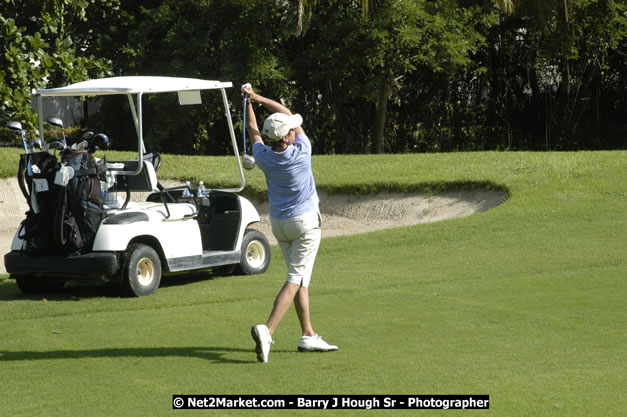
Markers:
(278, 125)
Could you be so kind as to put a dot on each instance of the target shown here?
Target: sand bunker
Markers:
(348, 215)
(342, 214)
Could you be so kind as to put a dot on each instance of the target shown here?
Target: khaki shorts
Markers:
(299, 239)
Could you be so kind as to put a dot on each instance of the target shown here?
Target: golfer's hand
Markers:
(250, 93)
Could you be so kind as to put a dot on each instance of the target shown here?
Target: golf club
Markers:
(99, 141)
(17, 127)
(36, 143)
(55, 121)
(247, 160)
(55, 145)
(79, 146)
(82, 144)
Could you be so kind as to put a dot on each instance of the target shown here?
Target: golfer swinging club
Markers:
(283, 153)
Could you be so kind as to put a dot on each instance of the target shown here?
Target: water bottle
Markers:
(186, 193)
(201, 189)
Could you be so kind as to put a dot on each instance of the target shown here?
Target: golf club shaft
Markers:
(24, 142)
(29, 167)
(244, 117)
(248, 161)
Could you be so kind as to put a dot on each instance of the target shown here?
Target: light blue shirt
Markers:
(291, 186)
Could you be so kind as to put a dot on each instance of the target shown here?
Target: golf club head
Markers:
(248, 161)
(36, 143)
(55, 121)
(58, 145)
(17, 126)
(80, 146)
(99, 141)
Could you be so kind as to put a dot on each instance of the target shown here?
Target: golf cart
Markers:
(83, 225)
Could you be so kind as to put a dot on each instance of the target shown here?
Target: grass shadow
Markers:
(75, 291)
(208, 353)
(184, 278)
(72, 291)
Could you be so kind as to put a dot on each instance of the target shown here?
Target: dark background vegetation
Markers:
(368, 76)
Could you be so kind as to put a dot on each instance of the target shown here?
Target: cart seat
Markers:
(145, 181)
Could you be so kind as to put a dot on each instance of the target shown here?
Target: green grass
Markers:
(525, 302)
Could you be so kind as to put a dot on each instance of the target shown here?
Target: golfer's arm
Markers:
(273, 106)
(251, 124)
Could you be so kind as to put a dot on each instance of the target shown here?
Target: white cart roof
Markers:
(133, 85)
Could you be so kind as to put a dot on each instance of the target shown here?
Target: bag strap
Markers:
(21, 176)
(59, 219)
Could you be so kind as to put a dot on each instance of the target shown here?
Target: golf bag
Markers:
(79, 209)
(65, 202)
(36, 229)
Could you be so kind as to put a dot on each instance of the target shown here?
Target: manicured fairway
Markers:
(525, 303)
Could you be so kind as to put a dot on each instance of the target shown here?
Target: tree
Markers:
(305, 11)
(238, 41)
(39, 50)
(573, 46)
(399, 41)
(403, 38)
(541, 11)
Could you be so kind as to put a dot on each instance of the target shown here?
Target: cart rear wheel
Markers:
(141, 274)
(255, 258)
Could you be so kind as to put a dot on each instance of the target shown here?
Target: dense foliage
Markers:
(405, 76)
(46, 43)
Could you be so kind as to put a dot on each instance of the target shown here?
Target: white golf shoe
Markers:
(263, 340)
(315, 344)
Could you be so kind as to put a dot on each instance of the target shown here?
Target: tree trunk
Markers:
(381, 116)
